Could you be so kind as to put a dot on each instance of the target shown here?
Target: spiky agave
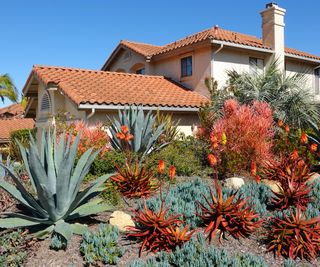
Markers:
(229, 216)
(57, 183)
(295, 235)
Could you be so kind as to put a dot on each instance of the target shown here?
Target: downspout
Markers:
(212, 57)
(93, 111)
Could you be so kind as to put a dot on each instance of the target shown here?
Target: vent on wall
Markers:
(45, 102)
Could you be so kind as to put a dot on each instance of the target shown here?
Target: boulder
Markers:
(314, 177)
(273, 185)
(121, 220)
(234, 182)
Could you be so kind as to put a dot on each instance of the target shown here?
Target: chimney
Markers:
(273, 31)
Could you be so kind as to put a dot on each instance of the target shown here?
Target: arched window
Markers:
(138, 68)
(45, 102)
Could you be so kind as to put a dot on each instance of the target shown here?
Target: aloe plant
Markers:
(56, 182)
(141, 127)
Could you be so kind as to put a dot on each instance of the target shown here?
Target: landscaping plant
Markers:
(56, 183)
(102, 245)
(295, 236)
(134, 122)
(229, 215)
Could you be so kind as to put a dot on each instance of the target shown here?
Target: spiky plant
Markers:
(5, 199)
(295, 236)
(137, 182)
(141, 127)
(56, 182)
(228, 215)
(288, 95)
(154, 229)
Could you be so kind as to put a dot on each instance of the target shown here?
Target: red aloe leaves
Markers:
(157, 230)
(295, 236)
(136, 182)
(229, 216)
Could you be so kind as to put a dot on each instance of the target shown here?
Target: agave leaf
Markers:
(27, 196)
(51, 172)
(16, 220)
(64, 229)
(78, 228)
(89, 208)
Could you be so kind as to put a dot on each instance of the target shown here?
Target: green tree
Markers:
(8, 89)
(289, 97)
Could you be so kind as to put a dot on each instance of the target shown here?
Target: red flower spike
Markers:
(313, 147)
(280, 123)
(212, 160)
(161, 166)
(124, 129)
(287, 128)
(172, 172)
(303, 139)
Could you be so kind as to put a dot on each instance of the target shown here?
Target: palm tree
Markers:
(287, 95)
(8, 89)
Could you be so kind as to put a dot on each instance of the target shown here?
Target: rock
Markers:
(234, 182)
(273, 185)
(314, 177)
(121, 220)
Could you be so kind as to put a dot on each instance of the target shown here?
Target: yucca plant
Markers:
(56, 182)
(295, 236)
(229, 216)
(135, 181)
(158, 230)
(141, 127)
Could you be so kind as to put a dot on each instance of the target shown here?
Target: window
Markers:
(141, 71)
(186, 66)
(317, 81)
(256, 64)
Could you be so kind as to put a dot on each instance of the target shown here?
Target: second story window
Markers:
(317, 81)
(141, 71)
(256, 64)
(186, 66)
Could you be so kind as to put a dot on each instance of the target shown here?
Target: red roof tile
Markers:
(14, 110)
(112, 88)
(10, 125)
(214, 33)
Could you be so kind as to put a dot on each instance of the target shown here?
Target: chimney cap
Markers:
(271, 4)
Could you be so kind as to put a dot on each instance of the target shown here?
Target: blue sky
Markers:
(79, 33)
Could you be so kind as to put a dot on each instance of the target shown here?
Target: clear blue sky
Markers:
(79, 33)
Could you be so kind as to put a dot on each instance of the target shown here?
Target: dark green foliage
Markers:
(102, 246)
(13, 249)
(111, 195)
(189, 156)
(23, 137)
(198, 253)
(58, 242)
(105, 164)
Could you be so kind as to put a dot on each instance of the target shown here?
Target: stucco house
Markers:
(169, 78)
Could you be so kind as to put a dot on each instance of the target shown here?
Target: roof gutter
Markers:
(120, 107)
(242, 46)
(302, 58)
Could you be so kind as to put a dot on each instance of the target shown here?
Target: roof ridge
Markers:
(97, 71)
(135, 42)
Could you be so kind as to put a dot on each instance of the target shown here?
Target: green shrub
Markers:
(188, 156)
(13, 249)
(102, 246)
(23, 136)
(198, 253)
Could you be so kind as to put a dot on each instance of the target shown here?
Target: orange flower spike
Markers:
(212, 160)
(172, 172)
(303, 139)
(253, 169)
(313, 147)
(294, 154)
(121, 136)
(161, 166)
(280, 123)
(129, 137)
(124, 129)
(258, 179)
(287, 128)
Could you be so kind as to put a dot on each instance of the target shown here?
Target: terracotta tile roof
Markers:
(15, 110)
(112, 88)
(214, 33)
(9, 125)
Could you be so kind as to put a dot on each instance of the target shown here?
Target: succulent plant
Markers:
(137, 182)
(229, 215)
(56, 182)
(141, 127)
(8, 164)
